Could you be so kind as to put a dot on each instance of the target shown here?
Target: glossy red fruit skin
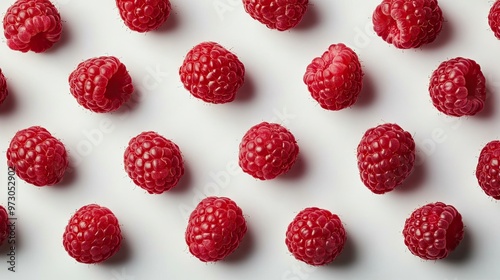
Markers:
(101, 84)
(144, 15)
(212, 73)
(153, 162)
(92, 235)
(488, 169)
(315, 236)
(494, 19)
(4, 91)
(215, 229)
(276, 14)
(32, 25)
(458, 87)
(408, 24)
(335, 79)
(433, 231)
(386, 156)
(37, 157)
(267, 150)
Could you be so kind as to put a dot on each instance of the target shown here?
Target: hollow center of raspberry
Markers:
(39, 42)
(115, 85)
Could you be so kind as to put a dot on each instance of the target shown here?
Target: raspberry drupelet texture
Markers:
(32, 25)
(92, 235)
(144, 15)
(408, 23)
(37, 157)
(215, 229)
(386, 155)
(494, 18)
(488, 169)
(267, 150)
(4, 92)
(315, 236)
(277, 14)
(153, 162)
(335, 79)
(101, 84)
(433, 231)
(458, 87)
(212, 73)
(4, 222)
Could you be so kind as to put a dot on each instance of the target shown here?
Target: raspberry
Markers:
(433, 231)
(4, 225)
(92, 235)
(494, 19)
(215, 229)
(276, 14)
(335, 79)
(32, 25)
(37, 157)
(153, 162)
(386, 155)
(458, 87)
(144, 15)
(488, 169)
(101, 84)
(408, 23)
(212, 73)
(267, 150)
(3, 88)
(315, 236)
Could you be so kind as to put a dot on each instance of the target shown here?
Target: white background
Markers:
(326, 175)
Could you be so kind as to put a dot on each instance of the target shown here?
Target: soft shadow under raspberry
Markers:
(298, 170)
(464, 250)
(247, 246)
(10, 103)
(184, 184)
(121, 257)
(172, 23)
(310, 20)
(348, 255)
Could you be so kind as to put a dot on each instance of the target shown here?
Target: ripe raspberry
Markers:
(315, 236)
(3, 88)
(276, 14)
(153, 162)
(335, 79)
(144, 15)
(32, 25)
(386, 155)
(458, 87)
(215, 229)
(212, 73)
(433, 231)
(488, 169)
(494, 18)
(92, 235)
(101, 84)
(408, 23)
(4, 225)
(37, 157)
(267, 150)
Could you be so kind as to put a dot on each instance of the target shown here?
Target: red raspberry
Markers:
(458, 87)
(212, 73)
(92, 235)
(32, 25)
(144, 15)
(386, 155)
(433, 231)
(3, 88)
(215, 229)
(277, 14)
(101, 84)
(488, 169)
(37, 157)
(4, 225)
(153, 162)
(335, 79)
(494, 18)
(315, 236)
(267, 150)
(408, 23)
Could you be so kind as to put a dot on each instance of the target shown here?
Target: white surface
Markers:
(326, 175)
